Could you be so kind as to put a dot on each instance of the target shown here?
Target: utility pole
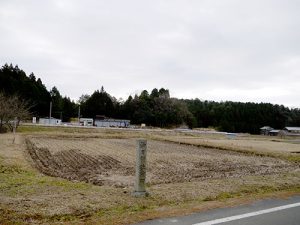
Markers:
(79, 115)
(14, 129)
(50, 112)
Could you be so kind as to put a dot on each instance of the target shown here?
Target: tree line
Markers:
(15, 82)
(242, 117)
(156, 108)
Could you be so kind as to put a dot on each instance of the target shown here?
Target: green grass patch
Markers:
(16, 181)
(293, 158)
(10, 169)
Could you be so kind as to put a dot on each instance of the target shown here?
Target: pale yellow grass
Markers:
(272, 145)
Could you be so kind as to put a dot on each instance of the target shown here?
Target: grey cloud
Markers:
(201, 49)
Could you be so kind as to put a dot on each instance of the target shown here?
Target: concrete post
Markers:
(140, 171)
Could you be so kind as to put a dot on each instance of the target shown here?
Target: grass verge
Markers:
(82, 203)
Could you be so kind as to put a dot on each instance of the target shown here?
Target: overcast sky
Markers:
(212, 50)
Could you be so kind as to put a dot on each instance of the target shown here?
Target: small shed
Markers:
(274, 132)
(265, 130)
(87, 122)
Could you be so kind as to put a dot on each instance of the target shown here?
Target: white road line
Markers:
(237, 217)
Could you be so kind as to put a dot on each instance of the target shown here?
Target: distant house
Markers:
(49, 121)
(274, 132)
(265, 130)
(292, 130)
(102, 121)
(87, 122)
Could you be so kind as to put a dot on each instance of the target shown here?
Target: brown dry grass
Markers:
(268, 145)
(27, 196)
(112, 161)
(252, 144)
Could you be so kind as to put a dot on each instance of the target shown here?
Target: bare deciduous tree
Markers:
(12, 109)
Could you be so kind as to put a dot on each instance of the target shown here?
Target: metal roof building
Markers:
(265, 130)
(292, 129)
(109, 122)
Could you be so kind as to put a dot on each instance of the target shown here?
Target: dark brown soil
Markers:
(74, 165)
(114, 163)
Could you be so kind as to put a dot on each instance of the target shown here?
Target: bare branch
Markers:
(12, 107)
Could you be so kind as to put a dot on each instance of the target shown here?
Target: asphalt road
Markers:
(265, 212)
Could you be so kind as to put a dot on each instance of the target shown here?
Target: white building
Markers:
(292, 130)
(111, 123)
(87, 122)
(50, 121)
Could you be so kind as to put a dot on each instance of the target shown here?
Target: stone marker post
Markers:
(140, 171)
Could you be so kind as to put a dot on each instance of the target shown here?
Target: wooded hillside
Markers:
(156, 108)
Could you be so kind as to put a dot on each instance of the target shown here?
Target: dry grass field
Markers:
(85, 176)
(112, 161)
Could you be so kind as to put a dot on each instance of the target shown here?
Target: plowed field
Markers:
(112, 161)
